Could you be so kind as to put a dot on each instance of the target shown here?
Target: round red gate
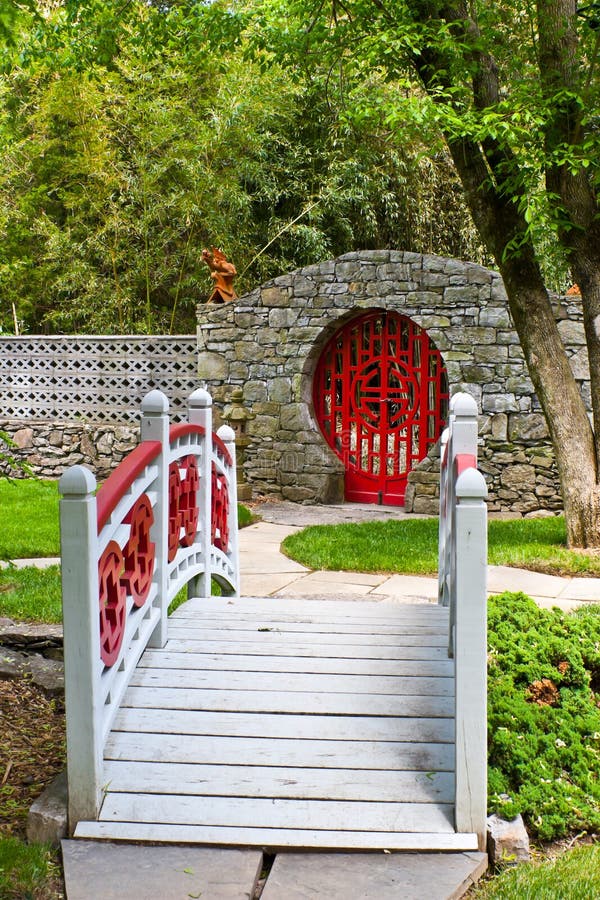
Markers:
(381, 398)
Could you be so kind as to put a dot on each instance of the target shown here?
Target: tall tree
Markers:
(514, 89)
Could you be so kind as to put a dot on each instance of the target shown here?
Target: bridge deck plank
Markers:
(255, 743)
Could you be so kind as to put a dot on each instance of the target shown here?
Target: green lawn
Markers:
(30, 594)
(409, 546)
(572, 876)
(25, 869)
(28, 518)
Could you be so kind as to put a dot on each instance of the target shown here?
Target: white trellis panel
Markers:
(94, 379)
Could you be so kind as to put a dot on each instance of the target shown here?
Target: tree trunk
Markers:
(548, 365)
(565, 83)
(493, 183)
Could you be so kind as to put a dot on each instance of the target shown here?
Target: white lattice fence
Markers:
(94, 379)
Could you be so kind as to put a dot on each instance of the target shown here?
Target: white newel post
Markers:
(463, 408)
(227, 435)
(155, 427)
(81, 624)
(470, 653)
(462, 440)
(200, 413)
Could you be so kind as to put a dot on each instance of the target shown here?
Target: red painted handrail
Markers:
(183, 428)
(222, 449)
(119, 481)
(464, 461)
(177, 431)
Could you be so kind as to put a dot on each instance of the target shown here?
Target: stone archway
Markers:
(269, 343)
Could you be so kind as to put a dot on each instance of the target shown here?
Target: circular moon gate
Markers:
(380, 393)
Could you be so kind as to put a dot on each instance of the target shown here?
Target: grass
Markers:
(409, 546)
(28, 518)
(30, 594)
(574, 875)
(25, 868)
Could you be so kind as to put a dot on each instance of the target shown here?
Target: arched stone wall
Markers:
(269, 341)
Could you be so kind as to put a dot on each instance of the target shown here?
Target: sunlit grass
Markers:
(31, 594)
(28, 518)
(574, 875)
(24, 868)
(410, 546)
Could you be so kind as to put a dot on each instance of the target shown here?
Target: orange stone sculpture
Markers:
(222, 273)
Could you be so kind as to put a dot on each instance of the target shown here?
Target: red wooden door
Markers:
(380, 393)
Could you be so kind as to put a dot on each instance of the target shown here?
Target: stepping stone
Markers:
(115, 871)
(373, 876)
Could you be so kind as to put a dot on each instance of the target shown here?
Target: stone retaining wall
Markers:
(50, 448)
(269, 342)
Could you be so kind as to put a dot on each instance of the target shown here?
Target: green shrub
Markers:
(543, 717)
(245, 516)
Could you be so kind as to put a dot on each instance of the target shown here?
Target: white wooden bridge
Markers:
(256, 722)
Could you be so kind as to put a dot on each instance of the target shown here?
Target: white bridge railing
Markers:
(166, 517)
(463, 588)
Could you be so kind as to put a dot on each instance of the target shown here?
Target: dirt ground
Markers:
(32, 752)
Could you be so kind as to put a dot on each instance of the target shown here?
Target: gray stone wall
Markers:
(269, 342)
(50, 448)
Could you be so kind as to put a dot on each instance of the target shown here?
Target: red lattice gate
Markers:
(381, 397)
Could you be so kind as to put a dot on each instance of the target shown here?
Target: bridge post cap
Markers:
(227, 434)
(199, 399)
(471, 484)
(77, 482)
(462, 404)
(155, 403)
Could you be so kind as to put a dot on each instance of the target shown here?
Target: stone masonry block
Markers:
(508, 842)
(496, 316)
(275, 296)
(47, 818)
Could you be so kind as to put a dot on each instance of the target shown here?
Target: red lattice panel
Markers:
(188, 501)
(113, 603)
(174, 516)
(183, 504)
(219, 511)
(139, 553)
(381, 398)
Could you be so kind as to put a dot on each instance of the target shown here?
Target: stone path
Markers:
(267, 571)
(117, 871)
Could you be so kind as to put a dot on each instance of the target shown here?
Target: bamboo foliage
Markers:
(136, 137)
